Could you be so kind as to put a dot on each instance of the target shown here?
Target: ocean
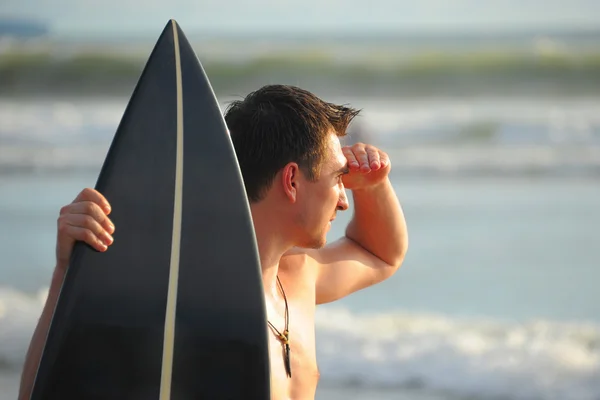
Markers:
(497, 298)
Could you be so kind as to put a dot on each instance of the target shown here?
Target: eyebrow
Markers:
(343, 170)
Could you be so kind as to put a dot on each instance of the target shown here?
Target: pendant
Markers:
(288, 364)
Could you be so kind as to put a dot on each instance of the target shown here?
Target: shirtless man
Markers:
(295, 172)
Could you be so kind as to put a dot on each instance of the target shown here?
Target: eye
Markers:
(341, 174)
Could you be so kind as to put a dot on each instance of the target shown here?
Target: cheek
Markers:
(329, 203)
(336, 192)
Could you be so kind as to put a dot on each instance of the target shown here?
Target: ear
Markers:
(289, 181)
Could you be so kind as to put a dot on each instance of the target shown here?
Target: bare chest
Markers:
(298, 283)
(302, 359)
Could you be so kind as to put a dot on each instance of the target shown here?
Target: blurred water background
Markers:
(494, 136)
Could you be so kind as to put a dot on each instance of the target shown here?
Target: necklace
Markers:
(284, 337)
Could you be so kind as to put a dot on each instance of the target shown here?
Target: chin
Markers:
(319, 245)
(317, 242)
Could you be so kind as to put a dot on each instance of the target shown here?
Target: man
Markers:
(295, 172)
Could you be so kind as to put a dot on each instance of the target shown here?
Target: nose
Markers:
(342, 204)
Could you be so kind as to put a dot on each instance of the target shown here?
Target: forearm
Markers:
(378, 223)
(36, 346)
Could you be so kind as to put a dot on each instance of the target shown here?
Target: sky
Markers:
(106, 17)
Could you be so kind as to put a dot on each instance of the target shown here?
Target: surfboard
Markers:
(175, 308)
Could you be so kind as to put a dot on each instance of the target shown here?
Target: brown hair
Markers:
(279, 124)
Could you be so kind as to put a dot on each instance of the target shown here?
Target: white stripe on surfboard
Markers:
(169, 335)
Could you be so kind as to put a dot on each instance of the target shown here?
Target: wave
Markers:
(553, 137)
(19, 313)
(361, 61)
(461, 357)
(429, 73)
(484, 358)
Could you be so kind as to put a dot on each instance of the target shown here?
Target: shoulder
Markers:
(299, 261)
(298, 257)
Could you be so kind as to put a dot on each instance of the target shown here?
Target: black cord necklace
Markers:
(284, 337)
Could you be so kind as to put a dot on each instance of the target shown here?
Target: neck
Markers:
(272, 244)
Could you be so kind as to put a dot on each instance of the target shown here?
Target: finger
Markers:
(374, 160)
(84, 235)
(362, 157)
(89, 223)
(92, 209)
(384, 159)
(352, 161)
(94, 196)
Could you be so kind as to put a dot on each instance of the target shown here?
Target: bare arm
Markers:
(34, 353)
(378, 224)
(376, 238)
(85, 219)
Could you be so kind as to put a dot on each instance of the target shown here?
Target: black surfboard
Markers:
(175, 308)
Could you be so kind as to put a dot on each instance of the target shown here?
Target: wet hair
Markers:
(279, 124)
